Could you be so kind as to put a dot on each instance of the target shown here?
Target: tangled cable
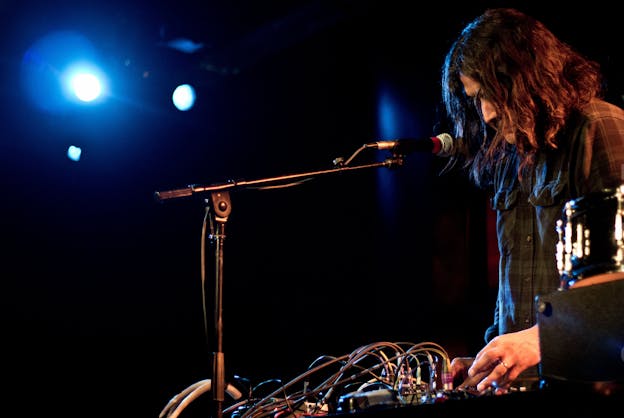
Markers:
(388, 374)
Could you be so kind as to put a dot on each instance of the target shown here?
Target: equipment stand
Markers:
(222, 207)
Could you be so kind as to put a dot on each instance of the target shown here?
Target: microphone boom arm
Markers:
(296, 178)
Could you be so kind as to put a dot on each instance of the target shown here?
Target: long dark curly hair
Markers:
(533, 79)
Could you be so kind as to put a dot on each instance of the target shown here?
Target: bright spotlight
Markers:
(60, 70)
(83, 81)
(86, 87)
(74, 152)
(183, 97)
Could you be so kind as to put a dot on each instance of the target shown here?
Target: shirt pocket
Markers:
(548, 194)
(504, 202)
(548, 200)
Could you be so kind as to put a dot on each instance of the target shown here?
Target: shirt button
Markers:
(529, 238)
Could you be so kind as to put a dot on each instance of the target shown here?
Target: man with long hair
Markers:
(532, 127)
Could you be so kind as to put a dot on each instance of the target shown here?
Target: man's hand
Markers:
(498, 364)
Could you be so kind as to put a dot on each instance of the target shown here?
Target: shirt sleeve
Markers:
(492, 330)
(603, 161)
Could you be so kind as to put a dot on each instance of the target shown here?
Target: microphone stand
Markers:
(222, 207)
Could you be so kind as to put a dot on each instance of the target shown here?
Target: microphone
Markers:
(440, 145)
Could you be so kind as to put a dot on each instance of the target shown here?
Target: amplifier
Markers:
(581, 333)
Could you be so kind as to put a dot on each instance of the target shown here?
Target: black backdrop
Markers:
(102, 293)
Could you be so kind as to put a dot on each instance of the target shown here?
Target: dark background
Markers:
(102, 284)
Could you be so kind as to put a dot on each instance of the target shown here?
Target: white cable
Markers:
(188, 395)
(178, 398)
